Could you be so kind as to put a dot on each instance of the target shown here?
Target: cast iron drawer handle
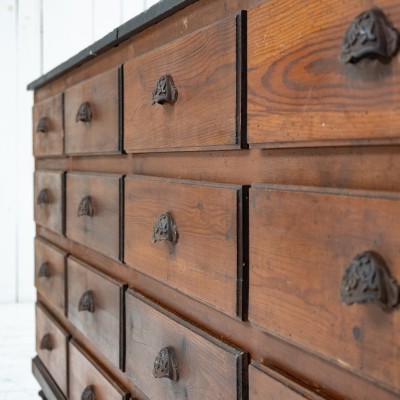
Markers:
(165, 365)
(84, 113)
(43, 125)
(370, 35)
(88, 394)
(86, 302)
(46, 342)
(165, 229)
(44, 270)
(85, 207)
(165, 91)
(367, 279)
(43, 197)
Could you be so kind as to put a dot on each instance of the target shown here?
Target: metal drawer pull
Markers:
(88, 394)
(165, 229)
(86, 302)
(43, 197)
(84, 113)
(43, 125)
(85, 207)
(46, 343)
(165, 365)
(165, 91)
(370, 35)
(44, 270)
(367, 279)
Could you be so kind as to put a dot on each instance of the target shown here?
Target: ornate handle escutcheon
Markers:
(46, 343)
(88, 394)
(43, 197)
(43, 125)
(165, 365)
(367, 279)
(84, 113)
(370, 35)
(85, 207)
(165, 229)
(165, 91)
(86, 302)
(44, 270)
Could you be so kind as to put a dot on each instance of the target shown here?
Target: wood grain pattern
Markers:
(205, 262)
(300, 94)
(208, 368)
(53, 287)
(203, 67)
(102, 135)
(298, 258)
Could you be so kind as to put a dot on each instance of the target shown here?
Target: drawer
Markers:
(268, 383)
(49, 200)
(87, 379)
(188, 234)
(51, 347)
(48, 129)
(93, 115)
(50, 272)
(168, 358)
(95, 307)
(318, 82)
(189, 93)
(313, 253)
(95, 212)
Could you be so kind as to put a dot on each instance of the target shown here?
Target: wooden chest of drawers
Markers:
(217, 206)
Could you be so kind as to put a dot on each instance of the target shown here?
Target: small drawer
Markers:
(94, 211)
(49, 200)
(186, 95)
(48, 130)
(51, 347)
(320, 82)
(188, 234)
(168, 358)
(50, 271)
(93, 115)
(95, 307)
(87, 380)
(320, 258)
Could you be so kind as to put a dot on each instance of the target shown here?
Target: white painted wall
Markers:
(36, 36)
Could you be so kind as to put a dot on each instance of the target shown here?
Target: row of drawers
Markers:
(196, 92)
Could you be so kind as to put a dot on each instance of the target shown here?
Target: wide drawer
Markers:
(168, 358)
(49, 189)
(93, 115)
(50, 272)
(94, 211)
(48, 130)
(51, 347)
(188, 234)
(313, 253)
(96, 307)
(315, 82)
(88, 380)
(188, 95)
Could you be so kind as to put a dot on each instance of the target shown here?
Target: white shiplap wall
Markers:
(36, 36)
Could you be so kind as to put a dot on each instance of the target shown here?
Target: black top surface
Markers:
(151, 16)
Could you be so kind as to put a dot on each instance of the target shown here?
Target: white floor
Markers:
(17, 348)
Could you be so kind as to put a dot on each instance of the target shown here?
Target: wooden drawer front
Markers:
(86, 376)
(49, 200)
(50, 272)
(95, 306)
(203, 70)
(92, 116)
(94, 212)
(300, 91)
(48, 132)
(201, 367)
(205, 260)
(301, 243)
(51, 346)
